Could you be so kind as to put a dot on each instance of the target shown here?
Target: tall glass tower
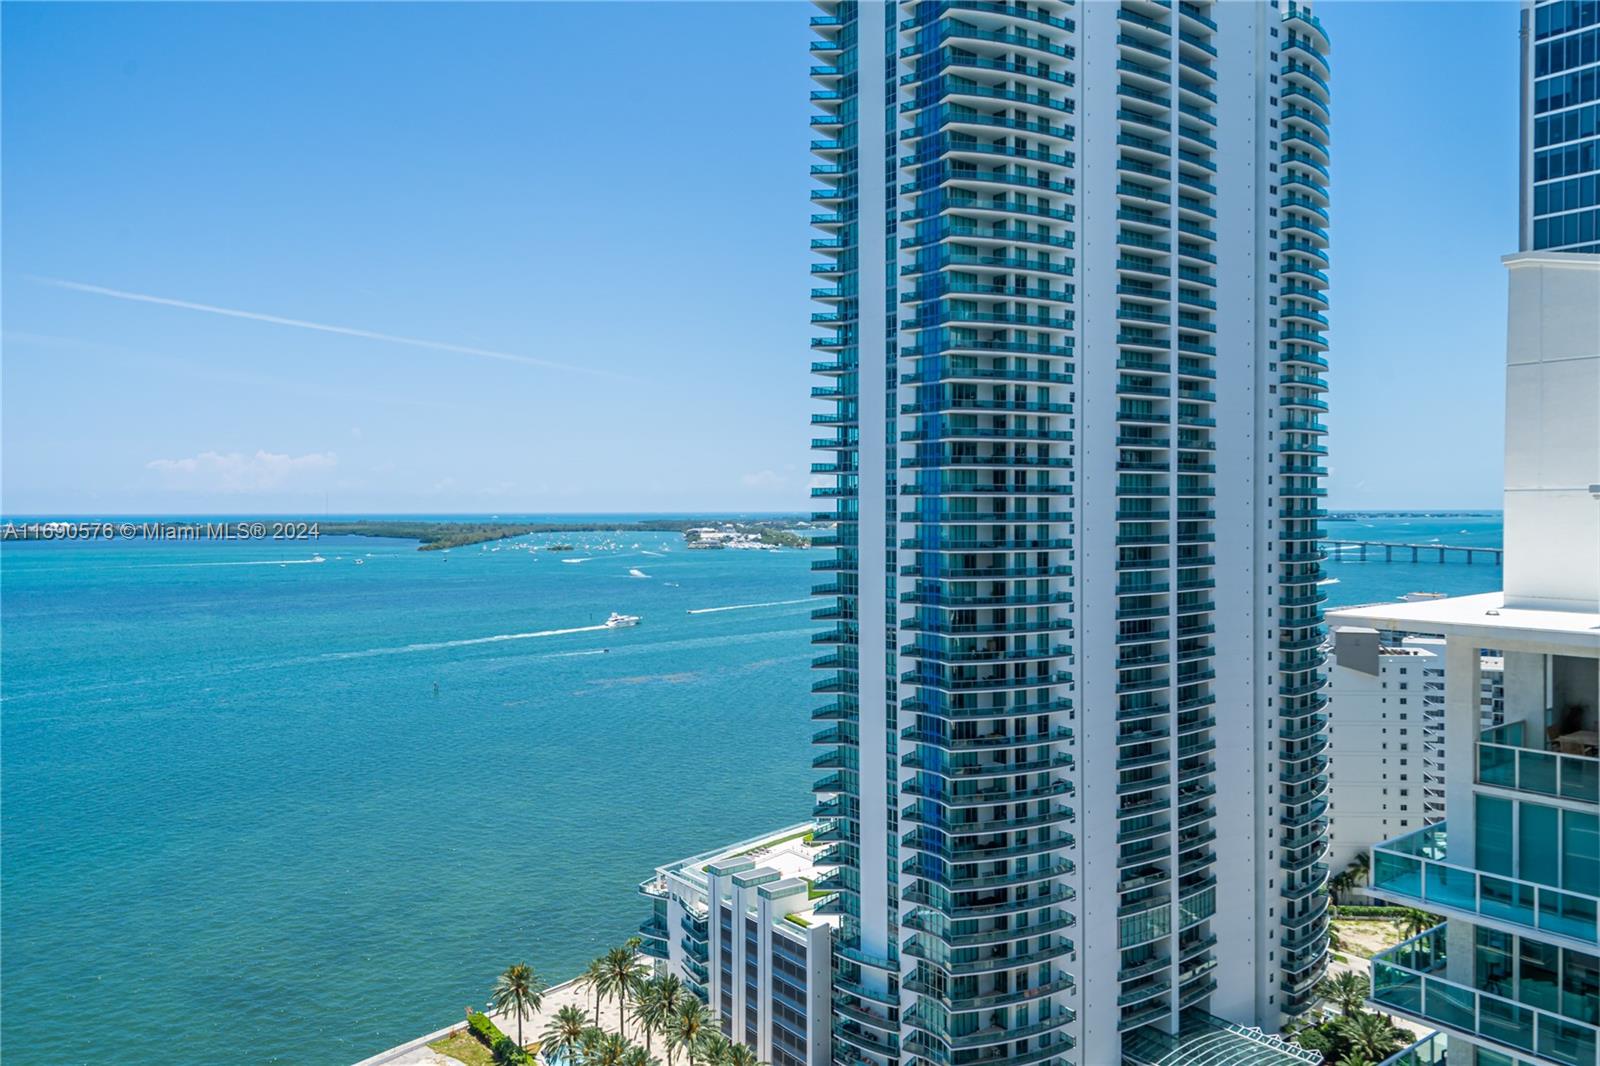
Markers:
(1072, 269)
(1561, 125)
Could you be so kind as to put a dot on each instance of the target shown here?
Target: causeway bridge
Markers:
(1338, 549)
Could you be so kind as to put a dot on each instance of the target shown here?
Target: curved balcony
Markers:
(933, 844)
(931, 951)
(997, 740)
(917, 760)
(937, 820)
(954, 797)
(990, 1036)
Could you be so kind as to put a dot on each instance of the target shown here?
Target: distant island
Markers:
(430, 535)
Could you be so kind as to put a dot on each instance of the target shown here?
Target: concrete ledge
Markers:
(415, 1045)
(567, 993)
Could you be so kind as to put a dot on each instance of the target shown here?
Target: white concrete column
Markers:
(1462, 664)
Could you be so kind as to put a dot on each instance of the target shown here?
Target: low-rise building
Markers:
(739, 927)
(1492, 690)
(1385, 737)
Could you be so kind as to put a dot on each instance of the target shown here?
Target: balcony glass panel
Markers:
(1410, 978)
(1508, 901)
(1415, 869)
(1506, 1023)
(1510, 757)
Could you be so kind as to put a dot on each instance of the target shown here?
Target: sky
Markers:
(494, 258)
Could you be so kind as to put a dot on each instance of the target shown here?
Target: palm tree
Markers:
(1356, 1060)
(688, 1026)
(519, 989)
(1414, 922)
(671, 996)
(647, 1009)
(564, 1034)
(1371, 1036)
(593, 980)
(1341, 882)
(621, 974)
(638, 1056)
(1347, 989)
(741, 1055)
(626, 973)
(589, 1043)
(715, 1050)
(610, 1050)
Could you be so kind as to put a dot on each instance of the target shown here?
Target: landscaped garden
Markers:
(635, 1019)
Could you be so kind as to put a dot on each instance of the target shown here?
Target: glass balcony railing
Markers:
(1410, 979)
(1431, 1050)
(1507, 758)
(1415, 869)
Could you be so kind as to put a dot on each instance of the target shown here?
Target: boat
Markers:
(620, 621)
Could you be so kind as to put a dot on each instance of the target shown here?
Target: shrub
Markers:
(1373, 912)
(499, 1044)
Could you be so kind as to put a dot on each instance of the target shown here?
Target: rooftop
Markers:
(784, 852)
(1484, 617)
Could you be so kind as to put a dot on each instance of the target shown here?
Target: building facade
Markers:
(1492, 690)
(1561, 125)
(738, 927)
(1386, 702)
(1385, 738)
(1072, 264)
(1512, 976)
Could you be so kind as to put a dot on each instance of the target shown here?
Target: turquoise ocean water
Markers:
(303, 810)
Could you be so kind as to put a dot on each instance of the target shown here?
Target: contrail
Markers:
(322, 327)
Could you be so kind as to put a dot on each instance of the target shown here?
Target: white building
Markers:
(1492, 690)
(739, 927)
(1071, 734)
(1513, 974)
(1385, 738)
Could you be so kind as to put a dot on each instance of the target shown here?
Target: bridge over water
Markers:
(1338, 549)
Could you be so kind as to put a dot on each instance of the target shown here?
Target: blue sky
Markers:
(565, 249)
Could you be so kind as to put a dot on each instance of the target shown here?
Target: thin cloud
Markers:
(236, 472)
(322, 327)
(205, 372)
(762, 479)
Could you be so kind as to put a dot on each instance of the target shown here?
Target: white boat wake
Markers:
(646, 551)
(747, 606)
(440, 645)
(577, 560)
(249, 562)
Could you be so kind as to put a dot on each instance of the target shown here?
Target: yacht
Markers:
(620, 621)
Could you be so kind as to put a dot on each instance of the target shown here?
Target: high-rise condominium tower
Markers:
(1071, 733)
(1561, 125)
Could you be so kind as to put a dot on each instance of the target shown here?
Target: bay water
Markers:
(297, 802)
